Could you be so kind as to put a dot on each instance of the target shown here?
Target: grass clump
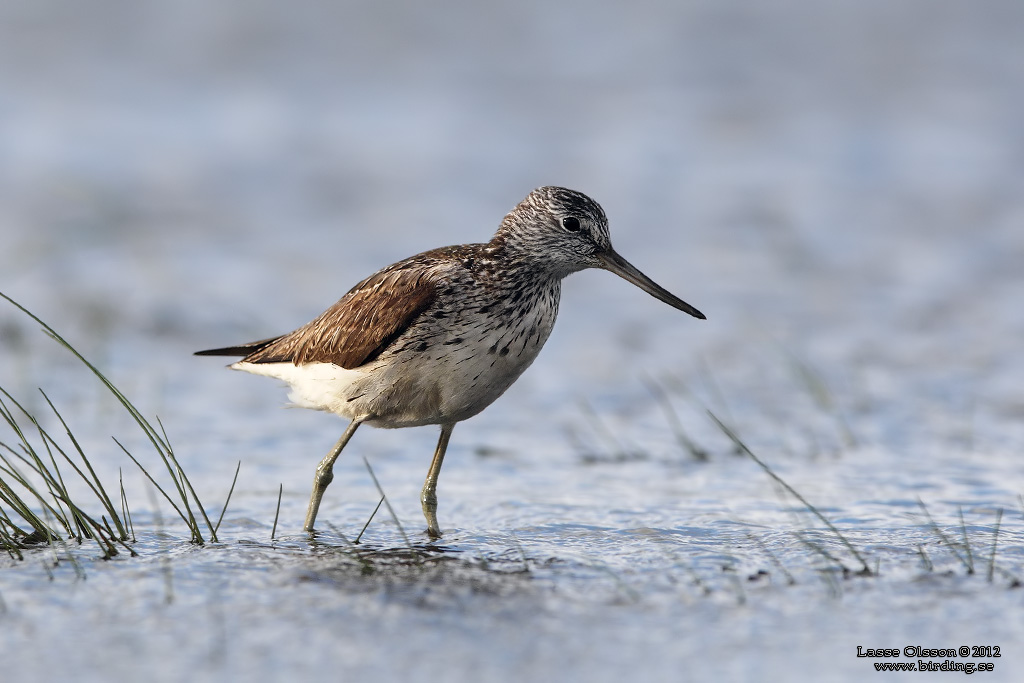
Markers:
(37, 504)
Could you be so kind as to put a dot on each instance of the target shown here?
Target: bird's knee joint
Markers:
(324, 478)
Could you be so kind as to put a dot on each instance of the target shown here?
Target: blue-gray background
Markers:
(837, 185)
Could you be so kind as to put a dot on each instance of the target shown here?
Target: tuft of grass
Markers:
(157, 437)
(36, 505)
(59, 512)
(962, 549)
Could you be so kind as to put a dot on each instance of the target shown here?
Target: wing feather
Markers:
(362, 324)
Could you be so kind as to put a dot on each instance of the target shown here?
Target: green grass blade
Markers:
(227, 500)
(277, 511)
(966, 541)
(390, 509)
(372, 514)
(674, 423)
(158, 487)
(126, 511)
(865, 569)
(157, 437)
(943, 537)
(93, 481)
(995, 541)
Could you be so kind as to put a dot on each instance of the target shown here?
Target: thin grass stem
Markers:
(675, 424)
(97, 489)
(966, 541)
(227, 500)
(158, 487)
(370, 519)
(126, 511)
(277, 511)
(391, 510)
(943, 537)
(995, 541)
(865, 569)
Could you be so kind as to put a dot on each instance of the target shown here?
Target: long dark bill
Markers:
(611, 261)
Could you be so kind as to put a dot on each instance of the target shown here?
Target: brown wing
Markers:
(362, 324)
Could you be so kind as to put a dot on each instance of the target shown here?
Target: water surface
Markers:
(839, 189)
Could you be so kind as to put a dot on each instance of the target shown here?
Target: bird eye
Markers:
(571, 223)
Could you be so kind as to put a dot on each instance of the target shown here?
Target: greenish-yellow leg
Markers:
(428, 498)
(325, 474)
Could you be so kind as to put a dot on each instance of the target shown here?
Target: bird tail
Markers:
(240, 350)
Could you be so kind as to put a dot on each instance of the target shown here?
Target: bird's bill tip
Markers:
(611, 261)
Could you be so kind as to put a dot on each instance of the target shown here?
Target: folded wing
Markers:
(355, 330)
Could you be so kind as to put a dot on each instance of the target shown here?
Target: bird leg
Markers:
(428, 498)
(325, 474)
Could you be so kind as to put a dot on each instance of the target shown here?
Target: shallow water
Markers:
(840, 190)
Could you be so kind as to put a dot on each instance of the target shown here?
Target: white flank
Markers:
(320, 386)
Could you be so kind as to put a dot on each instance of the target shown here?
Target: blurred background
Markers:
(839, 186)
(840, 182)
